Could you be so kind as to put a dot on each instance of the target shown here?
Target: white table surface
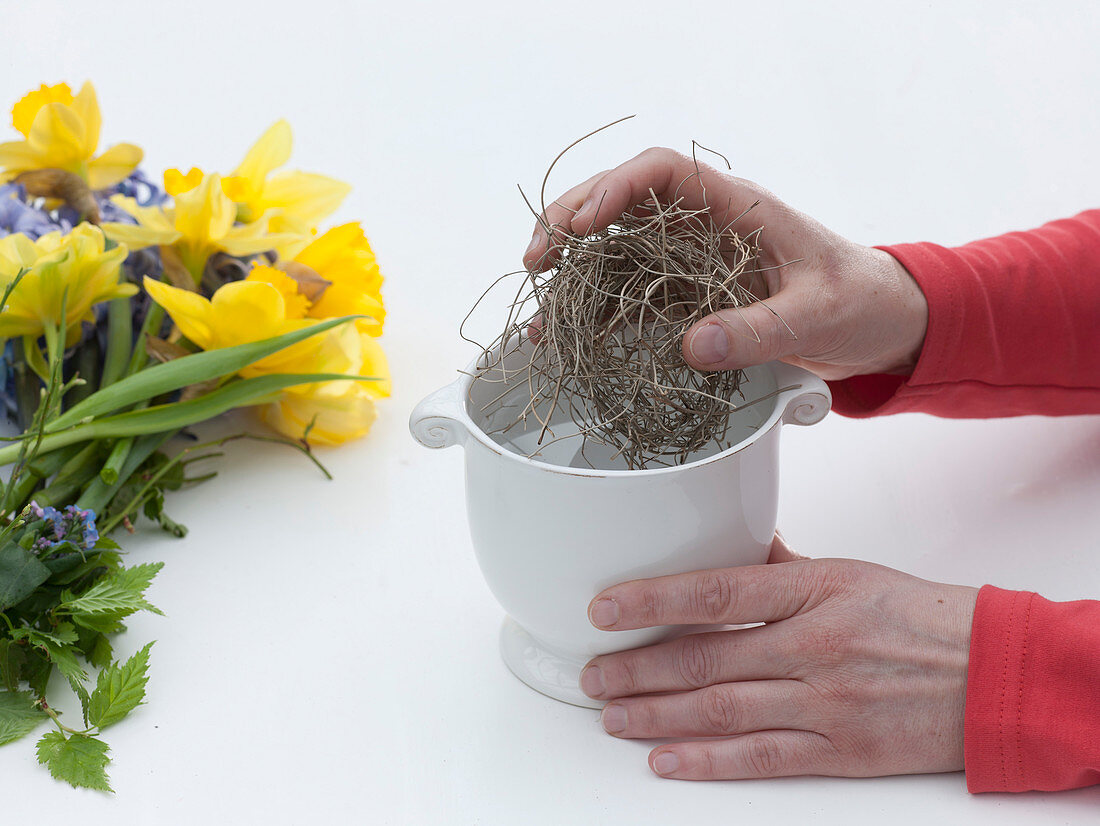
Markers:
(329, 649)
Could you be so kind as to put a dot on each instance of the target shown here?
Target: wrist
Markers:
(908, 317)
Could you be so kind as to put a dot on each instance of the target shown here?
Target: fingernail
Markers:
(592, 682)
(666, 763)
(709, 344)
(582, 217)
(613, 718)
(605, 613)
(536, 242)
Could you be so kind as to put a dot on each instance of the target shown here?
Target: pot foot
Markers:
(544, 670)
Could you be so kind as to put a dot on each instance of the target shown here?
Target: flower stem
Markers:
(120, 331)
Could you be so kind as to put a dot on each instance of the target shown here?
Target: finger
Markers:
(764, 331)
(714, 711)
(733, 596)
(688, 663)
(671, 175)
(782, 552)
(558, 217)
(782, 753)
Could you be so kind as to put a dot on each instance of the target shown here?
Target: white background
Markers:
(329, 649)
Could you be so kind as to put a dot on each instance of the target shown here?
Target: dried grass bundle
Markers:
(606, 323)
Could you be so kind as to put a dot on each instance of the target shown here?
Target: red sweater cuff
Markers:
(1033, 694)
(1012, 328)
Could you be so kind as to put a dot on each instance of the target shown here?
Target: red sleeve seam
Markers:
(1004, 691)
(1020, 692)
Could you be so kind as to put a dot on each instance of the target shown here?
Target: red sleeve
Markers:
(1032, 694)
(1013, 328)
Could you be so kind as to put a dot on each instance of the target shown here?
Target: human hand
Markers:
(837, 308)
(859, 671)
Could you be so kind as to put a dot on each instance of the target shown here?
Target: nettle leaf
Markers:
(12, 660)
(79, 760)
(20, 573)
(62, 654)
(19, 715)
(101, 652)
(116, 596)
(119, 690)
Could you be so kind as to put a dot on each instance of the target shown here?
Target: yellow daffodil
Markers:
(61, 131)
(76, 268)
(244, 311)
(336, 275)
(333, 412)
(296, 201)
(330, 420)
(200, 223)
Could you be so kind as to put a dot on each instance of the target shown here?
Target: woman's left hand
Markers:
(860, 670)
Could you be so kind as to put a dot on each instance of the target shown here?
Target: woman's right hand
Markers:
(835, 307)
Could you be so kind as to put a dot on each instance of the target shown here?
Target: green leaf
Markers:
(176, 415)
(61, 652)
(20, 573)
(173, 375)
(78, 760)
(18, 715)
(119, 690)
(101, 653)
(115, 596)
(12, 659)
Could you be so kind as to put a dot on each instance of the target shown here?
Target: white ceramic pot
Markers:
(550, 536)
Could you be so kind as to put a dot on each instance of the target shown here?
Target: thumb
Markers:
(782, 552)
(743, 336)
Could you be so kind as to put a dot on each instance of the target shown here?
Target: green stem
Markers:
(98, 495)
(28, 387)
(42, 468)
(116, 459)
(72, 477)
(142, 494)
(151, 326)
(88, 359)
(120, 331)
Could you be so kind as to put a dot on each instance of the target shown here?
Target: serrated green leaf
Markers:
(79, 760)
(12, 658)
(116, 596)
(101, 652)
(61, 653)
(19, 715)
(119, 690)
(64, 632)
(20, 573)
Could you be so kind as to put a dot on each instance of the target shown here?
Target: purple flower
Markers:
(71, 525)
(19, 216)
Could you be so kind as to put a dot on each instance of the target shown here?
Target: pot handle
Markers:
(437, 421)
(809, 402)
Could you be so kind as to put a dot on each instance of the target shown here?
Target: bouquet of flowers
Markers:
(129, 313)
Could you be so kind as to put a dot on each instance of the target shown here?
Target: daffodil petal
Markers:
(58, 132)
(114, 165)
(376, 365)
(190, 311)
(331, 420)
(86, 107)
(270, 152)
(306, 196)
(136, 236)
